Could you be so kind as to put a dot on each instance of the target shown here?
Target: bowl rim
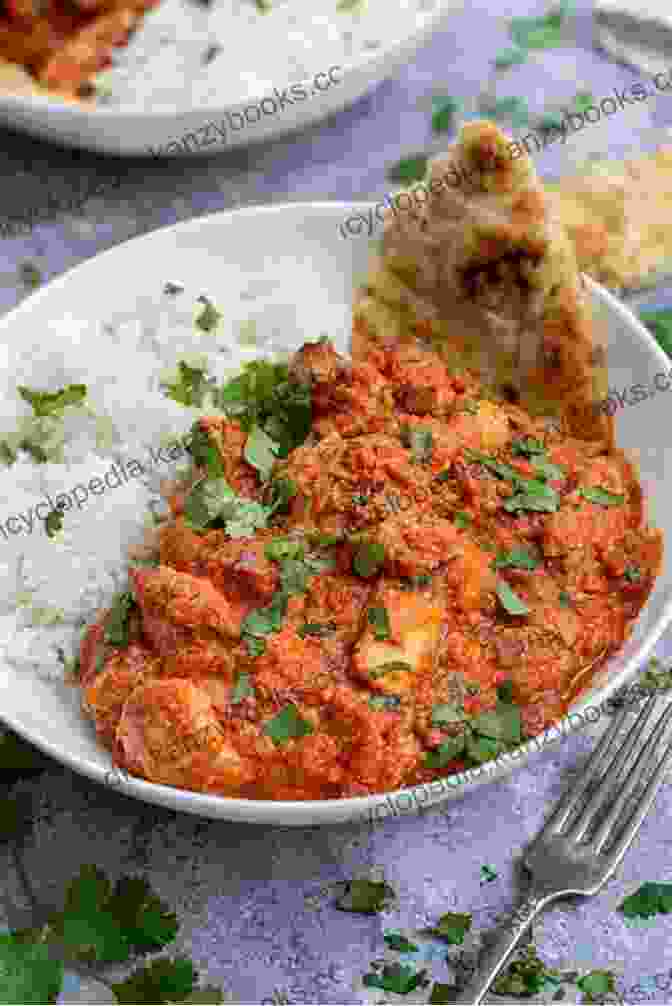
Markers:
(343, 809)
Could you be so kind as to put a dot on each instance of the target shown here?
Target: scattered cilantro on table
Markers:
(399, 978)
(649, 900)
(488, 874)
(165, 980)
(545, 32)
(525, 976)
(510, 57)
(396, 941)
(595, 985)
(366, 897)
(452, 927)
(444, 112)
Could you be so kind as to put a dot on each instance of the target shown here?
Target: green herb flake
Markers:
(502, 723)
(441, 993)
(212, 503)
(204, 453)
(444, 113)
(453, 926)
(53, 522)
(243, 688)
(547, 470)
(525, 977)
(366, 897)
(596, 494)
(209, 317)
(565, 599)
(659, 323)
(488, 874)
(527, 447)
(451, 749)
(595, 985)
(30, 973)
(396, 941)
(516, 558)
(510, 57)
(408, 170)
(318, 630)
(379, 621)
(284, 548)
(118, 621)
(398, 978)
(287, 725)
(461, 520)
(368, 559)
(191, 385)
(510, 601)
(53, 403)
(447, 712)
(261, 452)
(633, 573)
(648, 900)
(165, 980)
(278, 494)
(505, 691)
(266, 395)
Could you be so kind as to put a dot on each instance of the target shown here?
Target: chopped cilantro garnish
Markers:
(261, 452)
(416, 582)
(441, 993)
(52, 403)
(209, 317)
(565, 599)
(516, 558)
(527, 447)
(284, 548)
(287, 725)
(543, 32)
(449, 750)
(659, 324)
(633, 573)
(488, 874)
(165, 980)
(452, 927)
(191, 385)
(505, 691)
(596, 494)
(53, 522)
(278, 494)
(596, 985)
(419, 440)
(510, 57)
(524, 977)
(510, 601)
(648, 900)
(502, 723)
(399, 943)
(444, 112)
(243, 688)
(204, 453)
(368, 559)
(264, 395)
(367, 897)
(547, 470)
(30, 972)
(461, 520)
(317, 629)
(410, 169)
(447, 712)
(212, 503)
(399, 978)
(379, 621)
(117, 625)
(546, 501)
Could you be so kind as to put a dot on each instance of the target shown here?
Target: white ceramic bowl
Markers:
(139, 132)
(221, 253)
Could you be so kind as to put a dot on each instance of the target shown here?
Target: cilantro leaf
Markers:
(516, 558)
(596, 984)
(278, 494)
(444, 112)
(502, 723)
(633, 573)
(209, 317)
(53, 522)
(367, 897)
(242, 689)
(165, 980)
(368, 559)
(527, 447)
(524, 977)
(29, 972)
(659, 323)
(564, 599)
(488, 874)
(547, 502)
(510, 57)
(212, 503)
(319, 630)
(447, 712)
(449, 750)
(287, 725)
(204, 453)
(117, 624)
(505, 691)
(452, 927)
(648, 900)
(441, 993)
(265, 395)
(510, 601)
(261, 452)
(52, 403)
(399, 978)
(191, 385)
(461, 520)
(596, 494)
(410, 169)
(399, 943)
(379, 621)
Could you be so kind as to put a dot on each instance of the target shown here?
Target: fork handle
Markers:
(495, 956)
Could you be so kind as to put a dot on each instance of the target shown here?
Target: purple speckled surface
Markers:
(256, 903)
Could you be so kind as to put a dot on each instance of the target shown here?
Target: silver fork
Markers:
(564, 862)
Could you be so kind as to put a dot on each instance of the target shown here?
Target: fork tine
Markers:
(570, 800)
(604, 792)
(644, 760)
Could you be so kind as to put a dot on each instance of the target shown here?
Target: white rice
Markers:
(51, 587)
(162, 66)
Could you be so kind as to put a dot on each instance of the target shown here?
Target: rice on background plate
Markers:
(53, 583)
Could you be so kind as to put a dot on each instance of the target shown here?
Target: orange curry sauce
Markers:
(466, 569)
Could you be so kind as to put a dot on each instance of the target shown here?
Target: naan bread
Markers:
(483, 270)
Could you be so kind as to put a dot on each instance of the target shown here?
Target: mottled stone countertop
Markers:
(254, 902)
